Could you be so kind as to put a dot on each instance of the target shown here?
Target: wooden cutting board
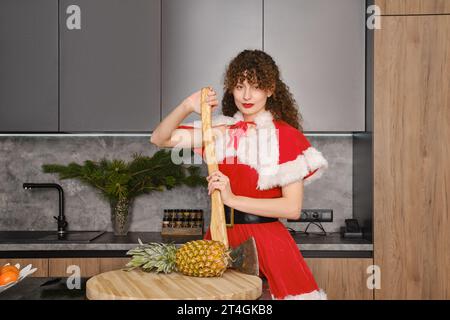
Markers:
(139, 285)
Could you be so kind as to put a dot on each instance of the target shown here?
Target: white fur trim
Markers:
(297, 169)
(313, 295)
(315, 160)
(238, 116)
(261, 152)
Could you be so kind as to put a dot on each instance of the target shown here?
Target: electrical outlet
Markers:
(314, 215)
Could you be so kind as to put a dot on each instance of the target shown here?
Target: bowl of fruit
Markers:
(11, 275)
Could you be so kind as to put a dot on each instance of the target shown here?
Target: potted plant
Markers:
(120, 182)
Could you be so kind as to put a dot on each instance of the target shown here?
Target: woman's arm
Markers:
(166, 133)
(286, 207)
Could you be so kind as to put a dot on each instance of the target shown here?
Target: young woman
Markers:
(264, 162)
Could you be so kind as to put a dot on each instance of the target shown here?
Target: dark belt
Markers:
(234, 216)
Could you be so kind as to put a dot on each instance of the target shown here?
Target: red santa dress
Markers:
(258, 163)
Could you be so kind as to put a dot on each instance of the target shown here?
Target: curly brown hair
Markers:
(258, 68)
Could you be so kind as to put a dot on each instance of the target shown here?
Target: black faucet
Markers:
(62, 223)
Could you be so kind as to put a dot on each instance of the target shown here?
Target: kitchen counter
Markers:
(43, 288)
(312, 245)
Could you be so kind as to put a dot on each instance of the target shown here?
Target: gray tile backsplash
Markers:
(21, 158)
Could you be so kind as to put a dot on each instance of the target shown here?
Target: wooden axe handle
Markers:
(218, 227)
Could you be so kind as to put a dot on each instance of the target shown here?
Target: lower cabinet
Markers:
(61, 267)
(340, 278)
(343, 278)
(40, 264)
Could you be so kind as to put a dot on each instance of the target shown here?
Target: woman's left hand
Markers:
(217, 180)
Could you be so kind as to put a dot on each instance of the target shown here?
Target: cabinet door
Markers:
(343, 278)
(109, 264)
(40, 264)
(320, 48)
(28, 65)
(110, 65)
(89, 267)
(59, 267)
(411, 171)
(199, 38)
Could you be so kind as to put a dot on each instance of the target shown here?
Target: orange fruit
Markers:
(9, 268)
(7, 277)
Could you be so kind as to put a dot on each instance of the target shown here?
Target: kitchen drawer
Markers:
(88, 266)
(342, 278)
(40, 264)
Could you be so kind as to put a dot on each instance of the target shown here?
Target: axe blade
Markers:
(245, 257)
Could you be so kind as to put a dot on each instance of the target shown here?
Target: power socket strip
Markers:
(314, 215)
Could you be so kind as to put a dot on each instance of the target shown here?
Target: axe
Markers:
(245, 256)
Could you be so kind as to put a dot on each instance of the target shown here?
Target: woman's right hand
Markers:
(193, 101)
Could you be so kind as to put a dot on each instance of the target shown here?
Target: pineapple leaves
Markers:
(158, 257)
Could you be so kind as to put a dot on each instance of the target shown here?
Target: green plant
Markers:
(118, 180)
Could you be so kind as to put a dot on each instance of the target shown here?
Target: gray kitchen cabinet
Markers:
(109, 65)
(28, 66)
(199, 39)
(319, 47)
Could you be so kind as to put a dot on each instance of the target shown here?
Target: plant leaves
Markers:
(117, 179)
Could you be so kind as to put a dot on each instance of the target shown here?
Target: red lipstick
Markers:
(247, 105)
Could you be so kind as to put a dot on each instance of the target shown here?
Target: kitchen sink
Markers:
(48, 236)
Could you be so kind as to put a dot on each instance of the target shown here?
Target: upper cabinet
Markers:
(199, 39)
(110, 65)
(121, 66)
(320, 48)
(28, 65)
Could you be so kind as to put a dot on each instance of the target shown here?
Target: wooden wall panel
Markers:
(411, 157)
(40, 264)
(342, 278)
(414, 6)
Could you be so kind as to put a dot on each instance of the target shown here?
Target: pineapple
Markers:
(203, 258)
(200, 258)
